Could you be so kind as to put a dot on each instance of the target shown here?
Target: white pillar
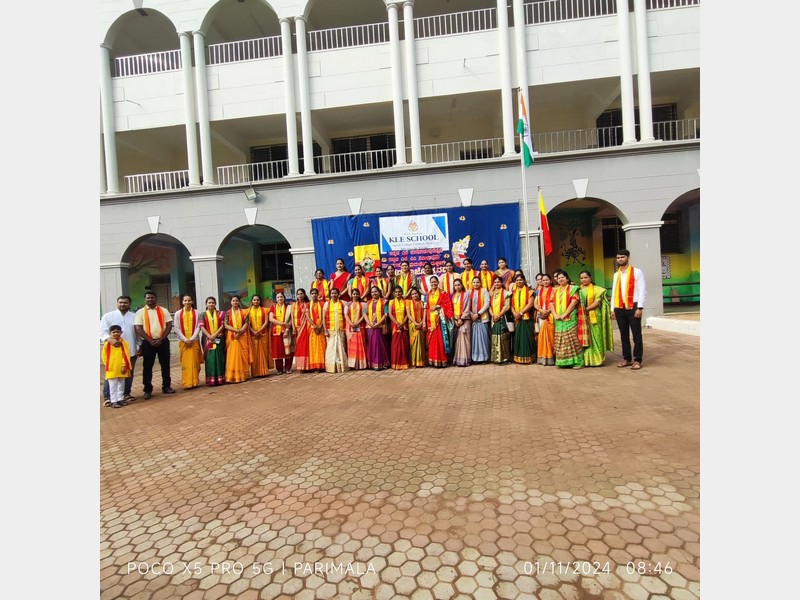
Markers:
(207, 278)
(644, 242)
(288, 85)
(109, 129)
(305, 96)
(304, 267)
(113, 284)
(201, 81)
(397, 86)
(522, 55)
(103, 184)
(190, 115)
(643, 72)
(411, 81)
(626, 73)
(506, 99)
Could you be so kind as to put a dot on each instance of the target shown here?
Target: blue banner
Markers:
(479, 232)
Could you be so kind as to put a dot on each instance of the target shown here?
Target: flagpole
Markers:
(528, 272)
(541, 232)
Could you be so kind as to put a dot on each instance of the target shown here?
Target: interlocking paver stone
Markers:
(480, 482)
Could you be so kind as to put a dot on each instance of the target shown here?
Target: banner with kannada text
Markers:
(479, 232)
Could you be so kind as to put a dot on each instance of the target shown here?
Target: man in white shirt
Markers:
(125, 319)
(627, 305)
(153, 324)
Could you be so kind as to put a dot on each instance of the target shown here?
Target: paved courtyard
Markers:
(485, 482)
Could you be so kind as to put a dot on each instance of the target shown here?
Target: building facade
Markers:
(227, 126)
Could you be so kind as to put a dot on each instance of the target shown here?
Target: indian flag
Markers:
(524, 129)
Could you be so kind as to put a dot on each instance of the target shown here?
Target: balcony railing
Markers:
(656, 4)
(551, 11)
(266, 47)
(156, 182)
(143, 64)
(263, 171)
(551, 142)
(458, 151)
(348, 37)
(455, 23)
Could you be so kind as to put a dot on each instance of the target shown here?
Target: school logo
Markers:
(417, 232)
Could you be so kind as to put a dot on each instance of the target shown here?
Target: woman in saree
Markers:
(260, 349)
(317, 342)
(280, 316)
(486, 276)
(382, 282)
(212, 326)
(597, 312)
(405, 278)
(416, 328)
(187, 328)
(398, 315)
(438, 311)
(447, 277)
(545, 300)
(479, 301)
(505, 274)
(300, 331)
(333, 318)
(375, 309)
(358, 282)
(462, 329)
(571, 334)
(424, 279)
(339, 279)
(499, 305)
(237, 343)
(322, 285)
(521, 308)
(356, 332)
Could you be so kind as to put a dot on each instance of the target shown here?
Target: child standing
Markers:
(116, 356)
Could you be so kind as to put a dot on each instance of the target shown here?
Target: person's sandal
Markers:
(107, 403)
(624, 363)
(636, 366)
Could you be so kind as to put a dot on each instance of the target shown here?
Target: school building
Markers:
(228, 126)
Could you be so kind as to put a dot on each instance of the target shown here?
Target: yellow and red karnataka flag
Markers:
(548, 245)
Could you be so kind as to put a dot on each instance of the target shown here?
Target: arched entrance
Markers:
(680, 253)
(257, 260)
(160, 263)
(585, 233)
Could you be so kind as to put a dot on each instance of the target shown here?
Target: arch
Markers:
(234, 20)
(680, 252)
(159, 262)
(257, 259)
(141, 31)
(585, 234)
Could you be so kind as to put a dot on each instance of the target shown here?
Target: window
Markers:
(277, 153)
(610, 125)
(476, 153)
(363, 152)
(613, 236)
(670, 234)
(276, 262)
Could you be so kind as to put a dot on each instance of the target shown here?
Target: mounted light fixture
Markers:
(251, 194)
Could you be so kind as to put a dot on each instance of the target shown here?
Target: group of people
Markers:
(390, 320)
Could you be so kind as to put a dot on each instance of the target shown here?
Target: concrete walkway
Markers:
(482, 482)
